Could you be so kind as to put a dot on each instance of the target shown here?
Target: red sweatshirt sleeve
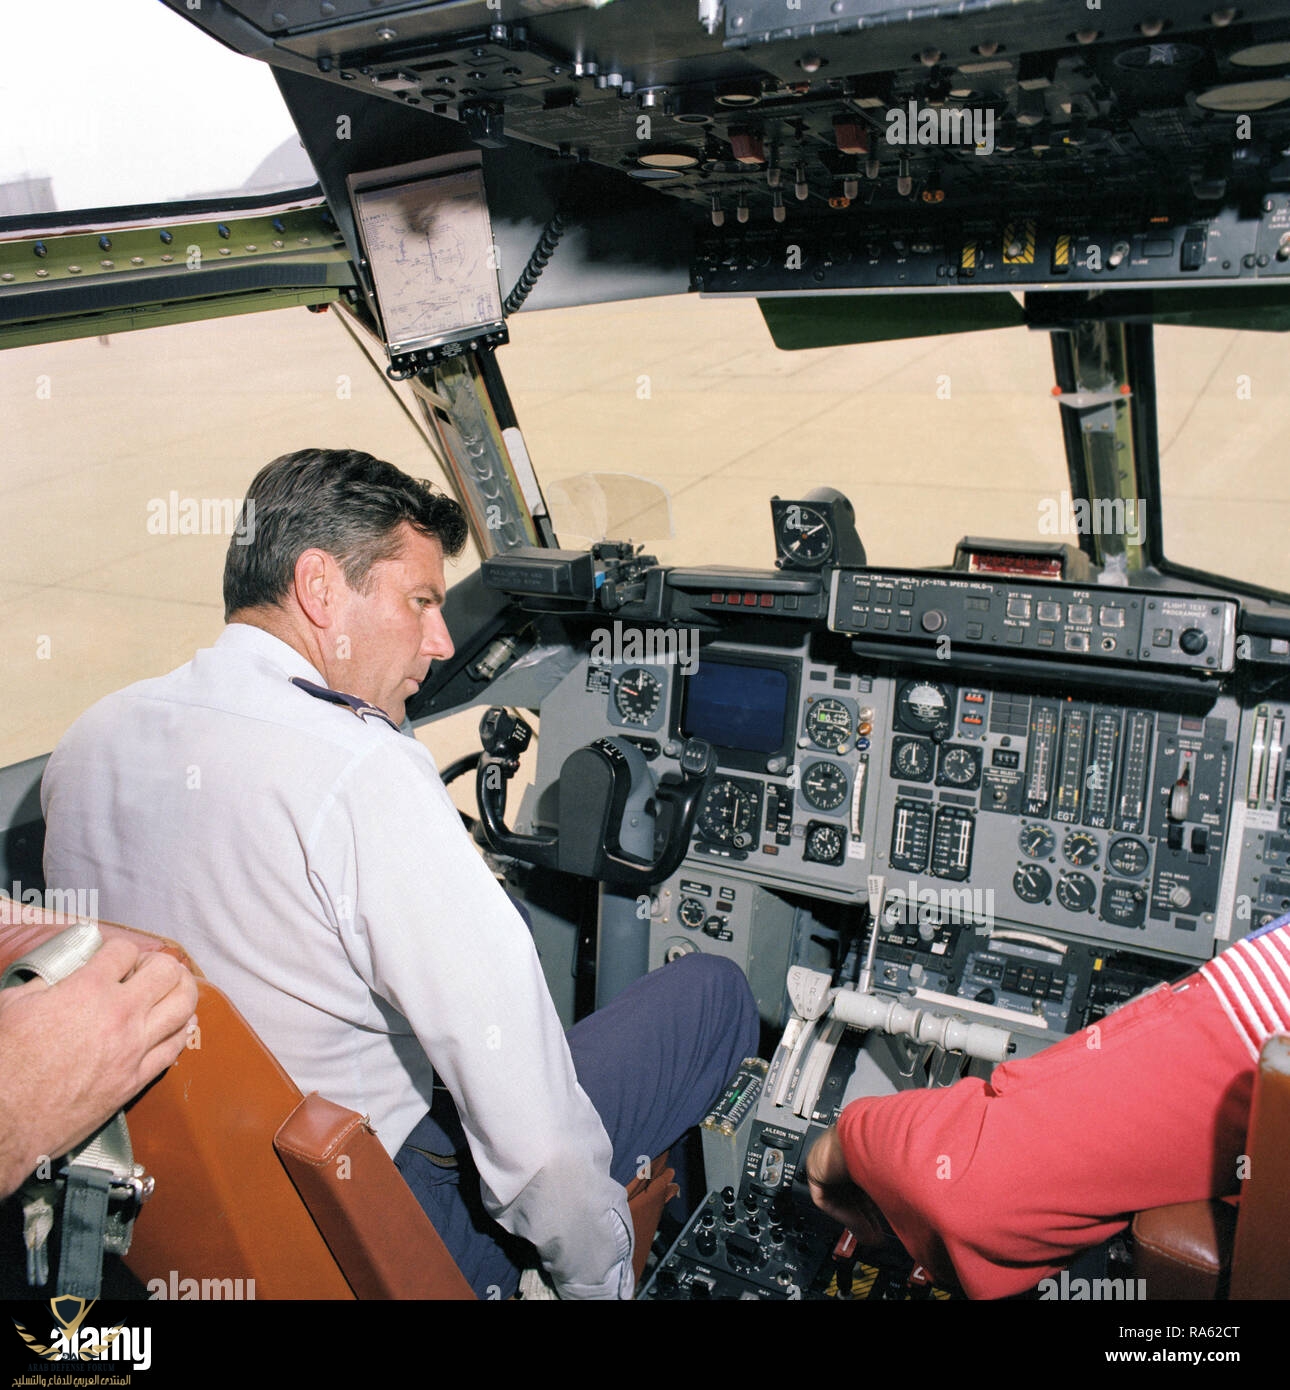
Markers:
(998, 1185)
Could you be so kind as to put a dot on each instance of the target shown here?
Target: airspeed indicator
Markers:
(637, 693)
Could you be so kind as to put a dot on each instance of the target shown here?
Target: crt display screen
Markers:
(736, 706)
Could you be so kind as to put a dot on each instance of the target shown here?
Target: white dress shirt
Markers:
(316, 869)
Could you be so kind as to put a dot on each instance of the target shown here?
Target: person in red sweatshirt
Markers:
(996, 1185)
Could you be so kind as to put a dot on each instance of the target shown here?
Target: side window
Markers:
(1222, 417)
(125, 461)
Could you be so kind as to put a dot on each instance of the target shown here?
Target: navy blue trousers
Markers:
(653, 1062)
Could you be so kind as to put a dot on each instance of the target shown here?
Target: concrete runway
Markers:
(932, 438)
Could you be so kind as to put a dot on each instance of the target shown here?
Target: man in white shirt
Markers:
(313, 864)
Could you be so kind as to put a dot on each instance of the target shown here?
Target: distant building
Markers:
(287, 166)
(284, 168)
(22, 197)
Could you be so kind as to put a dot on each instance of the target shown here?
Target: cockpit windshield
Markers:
(932, 438)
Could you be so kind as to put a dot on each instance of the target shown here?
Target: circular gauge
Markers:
(637, 694)
(824, 844)
(828, 724)
(824, 785)
(911, 758)
(1124, 904)
(1080, 848)
(1128, 857)
(691, 912)
(727, 815)
(960, 767)
(803, 535)
(924, 706)
(1032, 884)
(1076, 892)
(1037, 841)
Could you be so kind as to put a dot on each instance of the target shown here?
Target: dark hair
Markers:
(339, 500)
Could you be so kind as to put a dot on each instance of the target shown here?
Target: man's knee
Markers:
(720, 989)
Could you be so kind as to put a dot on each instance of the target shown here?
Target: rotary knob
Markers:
(1193, 641)
(933, 620)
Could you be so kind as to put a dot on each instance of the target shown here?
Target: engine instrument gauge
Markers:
(828, 724)
(1037, 841)
(637, 693)
(1128, 857)
(1081, 848)
(1076, 892)
(824, 785)
(1032, 883)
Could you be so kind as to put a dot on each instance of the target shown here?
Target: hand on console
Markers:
(836, 1195)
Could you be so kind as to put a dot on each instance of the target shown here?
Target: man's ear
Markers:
(316, 583)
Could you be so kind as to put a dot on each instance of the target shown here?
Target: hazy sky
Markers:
(123, 101)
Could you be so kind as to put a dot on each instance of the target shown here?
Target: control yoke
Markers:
(607, 798)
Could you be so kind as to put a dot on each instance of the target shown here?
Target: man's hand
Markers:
(73, 1053)
(836, 1195)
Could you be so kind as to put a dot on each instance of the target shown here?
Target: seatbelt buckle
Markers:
(126, 1197)
(133, 1191)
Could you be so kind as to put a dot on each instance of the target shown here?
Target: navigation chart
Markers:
(430, 248)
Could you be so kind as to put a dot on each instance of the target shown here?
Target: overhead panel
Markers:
(851, 145)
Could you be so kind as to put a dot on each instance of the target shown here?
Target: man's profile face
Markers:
(395, 629)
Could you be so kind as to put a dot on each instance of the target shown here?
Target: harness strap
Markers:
(104, 1187)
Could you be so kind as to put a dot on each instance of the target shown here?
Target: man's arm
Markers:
(73, 1053)
(433, 933)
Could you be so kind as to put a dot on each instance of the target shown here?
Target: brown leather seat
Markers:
(255, 1182)
(1229, 1247)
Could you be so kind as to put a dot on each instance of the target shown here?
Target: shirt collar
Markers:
(256, 642)
(281, 656)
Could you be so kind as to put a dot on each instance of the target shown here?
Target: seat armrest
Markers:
(383, 1242)
(1260, 1263)
(1184, 1250)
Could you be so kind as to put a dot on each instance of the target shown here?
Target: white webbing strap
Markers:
(99, 1169)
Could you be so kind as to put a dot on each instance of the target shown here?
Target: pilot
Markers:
(996, 1185)
(262, 805)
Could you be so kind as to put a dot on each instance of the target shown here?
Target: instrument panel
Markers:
(1040, 815)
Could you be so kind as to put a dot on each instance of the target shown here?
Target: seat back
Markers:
(226, 1219)
(1261, 1256)
(1228, 1247)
